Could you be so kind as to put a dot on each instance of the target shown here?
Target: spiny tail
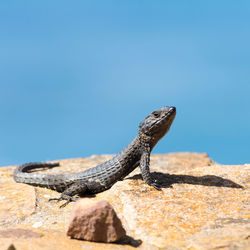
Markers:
(24, 174)
(33, 165)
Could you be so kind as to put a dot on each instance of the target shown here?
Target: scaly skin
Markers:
(103, 176)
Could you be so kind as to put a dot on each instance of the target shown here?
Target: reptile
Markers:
(103, 176)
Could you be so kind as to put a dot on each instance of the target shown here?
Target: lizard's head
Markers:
(157, 124)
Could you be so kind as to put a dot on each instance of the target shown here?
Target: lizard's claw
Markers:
(64, 197)
(56, 199)
(156, 185)
(65, 204)
(60, 199)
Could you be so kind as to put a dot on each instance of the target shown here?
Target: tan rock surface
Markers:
(200, 207)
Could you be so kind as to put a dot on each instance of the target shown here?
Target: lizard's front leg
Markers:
(145, 171)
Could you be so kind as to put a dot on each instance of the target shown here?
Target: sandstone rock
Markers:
(11, 247)
(201, 206)
(19, 233)
(95, 221)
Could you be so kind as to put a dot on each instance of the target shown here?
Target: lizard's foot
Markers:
(68, 200)
(64, 197)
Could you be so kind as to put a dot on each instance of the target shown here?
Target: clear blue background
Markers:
(77, 77)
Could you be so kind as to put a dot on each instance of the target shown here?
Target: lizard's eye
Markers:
(156, 114)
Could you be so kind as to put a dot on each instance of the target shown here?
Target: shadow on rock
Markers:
(167, 180)
(127, 240)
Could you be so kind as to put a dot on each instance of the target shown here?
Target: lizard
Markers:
(103, 176)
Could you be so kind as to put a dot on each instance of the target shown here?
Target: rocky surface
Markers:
(201, 206)
(95, 221)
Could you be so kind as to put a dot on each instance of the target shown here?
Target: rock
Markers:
(11, 247)
(19, 233)
(201, 206)
(95, 221)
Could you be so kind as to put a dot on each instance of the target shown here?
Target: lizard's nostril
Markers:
(172, 109)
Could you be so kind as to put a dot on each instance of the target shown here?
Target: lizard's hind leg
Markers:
(69, 193)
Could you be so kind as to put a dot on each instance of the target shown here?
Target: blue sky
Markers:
(77, 77)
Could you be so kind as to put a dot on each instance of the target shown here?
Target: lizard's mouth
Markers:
(169, 114)
(166, 119)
